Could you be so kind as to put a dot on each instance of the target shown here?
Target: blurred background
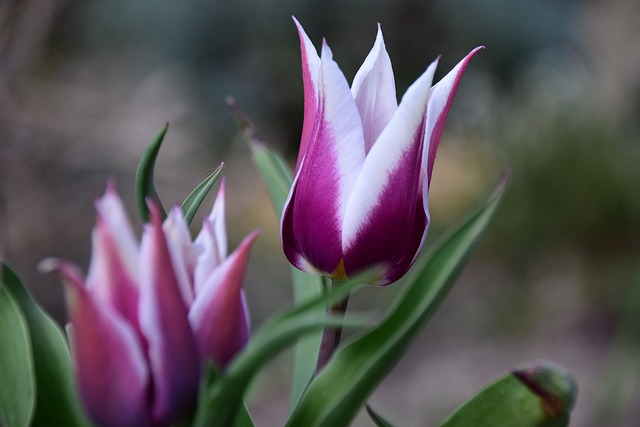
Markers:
(86, 85)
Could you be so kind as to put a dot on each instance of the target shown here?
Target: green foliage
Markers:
(222, 396)
(145, 188)
(194, 200)
(378, 419)
(57, 402)
(337, 393)
(540, 395)
(17, 393)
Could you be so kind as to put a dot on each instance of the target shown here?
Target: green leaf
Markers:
(335, 396)
(17, 387)
(219, 403)
(272, 167)
(57, 401)
(277, 177)
(540, 395)
(145, 188)
(243, 417)
(377, 419)
(194, 200)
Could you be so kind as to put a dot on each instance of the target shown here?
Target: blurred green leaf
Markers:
(273, 169)
(194, 200)
(377, 419)
(540, 395)
(243, 417)
(219, 403)
(277, 177)
(145, 187)
(57, 402)
(335, 396)
(17, 387)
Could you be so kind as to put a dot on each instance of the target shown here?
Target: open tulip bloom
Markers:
(149, 315)
(359, 195)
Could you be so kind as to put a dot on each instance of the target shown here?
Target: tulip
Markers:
(150, 315)
(359, 195)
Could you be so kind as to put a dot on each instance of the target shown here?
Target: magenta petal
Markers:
(327, 173)
(386, 206)
(219, 316)
(113, 271)
(439, 104)
(310, 75)
(164, 321)
(111, 370)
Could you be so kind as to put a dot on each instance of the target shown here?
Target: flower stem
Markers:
(331, 336)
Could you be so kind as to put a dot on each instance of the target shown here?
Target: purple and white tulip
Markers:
(359, 195)
(149, 315)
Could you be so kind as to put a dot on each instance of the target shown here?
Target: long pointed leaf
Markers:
(194, 200)
(17, 390)
(145, 188)
(277, 177)
(219, 404)
(540, 395)
(338, 392)
(57, 401)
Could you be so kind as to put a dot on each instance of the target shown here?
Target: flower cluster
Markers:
(359, 196)
(149, 315)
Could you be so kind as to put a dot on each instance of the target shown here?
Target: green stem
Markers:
(331, 336)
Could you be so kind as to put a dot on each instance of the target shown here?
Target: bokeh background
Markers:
(86, 85)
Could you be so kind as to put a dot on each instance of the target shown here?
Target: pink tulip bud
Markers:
(150, 315)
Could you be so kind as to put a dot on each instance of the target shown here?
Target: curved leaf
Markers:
(57, 401)
(220, 401)
(145, 188)
(277, 177)
(17, 390)
(194, 200)
(540, 395)
(335, 396)
(378, 419)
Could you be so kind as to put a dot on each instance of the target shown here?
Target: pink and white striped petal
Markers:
(384, 200)
(219, 316)
(184, 253)
(172, 352)
(328, 172)
(111, 370)
(310, 77)
(439, 104)
(113, 274)
(374, 90)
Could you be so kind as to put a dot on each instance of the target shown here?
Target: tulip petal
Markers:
(287, 237)
(212, 240)
(375, 92)
(439, 104)
(113, 272)
(327, 174)
(164, 321)
(184, 253)
(111, 369)
(383, 209)
(310, 76)
(219, 315)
